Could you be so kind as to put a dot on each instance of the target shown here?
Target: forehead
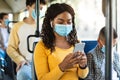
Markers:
(64, 16)
(41, 6)
(5, 16)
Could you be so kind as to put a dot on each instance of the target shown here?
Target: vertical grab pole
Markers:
(108, 52)
(37, 22)
(108, 67)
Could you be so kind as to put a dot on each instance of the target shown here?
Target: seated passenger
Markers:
(17, 45)
(53, 56)
(96, 59)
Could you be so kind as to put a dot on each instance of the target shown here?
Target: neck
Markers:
(61, 42)
(30, 20)
(60, 38)
(3, 25)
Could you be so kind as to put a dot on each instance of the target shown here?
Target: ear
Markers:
(28, 7)
(99, 42)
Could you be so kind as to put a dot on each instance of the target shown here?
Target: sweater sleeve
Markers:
(42, 67)
(82, 73)
(13, 43)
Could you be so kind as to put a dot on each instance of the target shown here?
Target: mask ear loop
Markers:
(67, 39)
(51, 24)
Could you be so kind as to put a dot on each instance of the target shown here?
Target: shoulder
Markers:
(41, 45)
(89, 55)
(40, 48)
(17, 25)
(92, 53)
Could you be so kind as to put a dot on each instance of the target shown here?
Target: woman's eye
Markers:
(60, 23)
(69, 22)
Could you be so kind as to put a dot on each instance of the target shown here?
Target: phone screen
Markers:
(79, 47)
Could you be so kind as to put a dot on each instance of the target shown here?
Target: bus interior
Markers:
(89, 18)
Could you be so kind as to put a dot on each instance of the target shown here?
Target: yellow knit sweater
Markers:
(46, 64)
(17, 44)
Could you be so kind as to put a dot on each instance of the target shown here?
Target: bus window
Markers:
(11, 19)
(22, 15)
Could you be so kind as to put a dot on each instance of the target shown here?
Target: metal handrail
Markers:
(8, 25)
(109, 36)
(37, 33)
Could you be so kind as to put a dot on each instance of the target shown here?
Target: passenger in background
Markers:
(4, 31)
(96, 59)
(4, 34)
(3, 37)
(17, 45)
(24, 19)
(54, 58)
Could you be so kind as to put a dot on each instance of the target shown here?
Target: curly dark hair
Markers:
(47, 32)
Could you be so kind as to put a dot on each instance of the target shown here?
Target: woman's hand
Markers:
(82, 59)
(68, 62)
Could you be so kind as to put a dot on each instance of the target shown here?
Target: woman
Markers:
(53, 57)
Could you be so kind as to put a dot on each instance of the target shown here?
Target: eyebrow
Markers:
(63, 19)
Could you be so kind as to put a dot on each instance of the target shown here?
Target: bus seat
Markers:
(89, 45)
(34, 76)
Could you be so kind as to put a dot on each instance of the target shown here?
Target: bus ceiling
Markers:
(12, 6)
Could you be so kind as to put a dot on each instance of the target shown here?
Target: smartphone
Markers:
(79, 47)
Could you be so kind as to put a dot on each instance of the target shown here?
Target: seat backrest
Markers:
(34, 76)
(89, 45)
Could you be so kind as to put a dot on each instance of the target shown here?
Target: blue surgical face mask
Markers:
(103, 49)
(41, 14)
(6, 22)
(34, 14)
(63, 30)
